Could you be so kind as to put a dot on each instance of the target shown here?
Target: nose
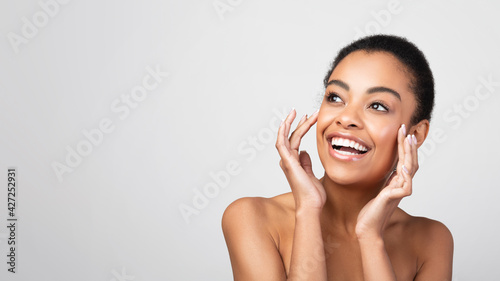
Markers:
(349, 118)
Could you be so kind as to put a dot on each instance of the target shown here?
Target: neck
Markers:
(344, 202)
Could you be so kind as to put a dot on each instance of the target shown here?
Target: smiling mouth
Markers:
(347, 146)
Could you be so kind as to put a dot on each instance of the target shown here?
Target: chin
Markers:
(345, 176)
(348, 176)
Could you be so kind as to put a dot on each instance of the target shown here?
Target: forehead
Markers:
(362, 69)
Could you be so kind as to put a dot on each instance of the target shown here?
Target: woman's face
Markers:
(367, 99)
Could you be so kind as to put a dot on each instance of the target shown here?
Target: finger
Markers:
(401, 185)
(403, 191)
(408, 159)
(305, 162)
(401, 139)
(301, 130)
(281, 140)
(414, 154)
(391, 178)
(286, 129)
(289, 120)
(302, 120)
(406, 189)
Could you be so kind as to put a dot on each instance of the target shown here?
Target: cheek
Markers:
(389, 133)
(324, 120)
(386, 138)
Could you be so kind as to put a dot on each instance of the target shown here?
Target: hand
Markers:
(374, 216)
(307, 190)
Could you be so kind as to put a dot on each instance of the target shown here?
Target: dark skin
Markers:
(345, 225)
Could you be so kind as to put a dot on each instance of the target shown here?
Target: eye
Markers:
(379, 107)
(331, 97)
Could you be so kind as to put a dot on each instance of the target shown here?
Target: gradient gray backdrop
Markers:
(234, 68)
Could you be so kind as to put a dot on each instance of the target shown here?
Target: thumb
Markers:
(305, 162)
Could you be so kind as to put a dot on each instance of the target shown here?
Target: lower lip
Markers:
(344, 157)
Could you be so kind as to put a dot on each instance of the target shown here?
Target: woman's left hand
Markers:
(374, 216)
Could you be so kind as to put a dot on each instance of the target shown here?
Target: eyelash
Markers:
(330, 96)
(386, 108)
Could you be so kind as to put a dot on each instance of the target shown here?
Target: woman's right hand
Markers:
(307, 190)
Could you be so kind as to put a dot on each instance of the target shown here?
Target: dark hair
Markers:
(422, 82)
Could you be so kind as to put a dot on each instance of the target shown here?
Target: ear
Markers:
(420, 130)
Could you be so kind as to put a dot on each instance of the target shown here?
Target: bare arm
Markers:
(308, 257)
(373, 218)
(253, 252)
(376, 262)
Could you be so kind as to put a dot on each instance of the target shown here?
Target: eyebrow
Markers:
(370, 90)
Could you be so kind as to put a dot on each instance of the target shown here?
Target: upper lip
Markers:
(332, 135)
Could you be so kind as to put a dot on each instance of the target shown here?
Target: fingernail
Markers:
(414, 139)
(291, 110)
(282, 121)
(404, 169)
(316, 111)
(409, 139)
(404, 129)
(305, 116)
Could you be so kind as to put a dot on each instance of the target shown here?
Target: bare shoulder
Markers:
(251, 227)
(432, 241)
(427, 231)
(258, 211)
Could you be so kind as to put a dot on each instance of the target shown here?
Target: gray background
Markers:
(235, 68)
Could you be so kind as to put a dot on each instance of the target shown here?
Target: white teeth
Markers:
(352, 144)
(347, 152)
(348, 143)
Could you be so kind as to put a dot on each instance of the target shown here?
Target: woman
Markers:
(347, 225)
